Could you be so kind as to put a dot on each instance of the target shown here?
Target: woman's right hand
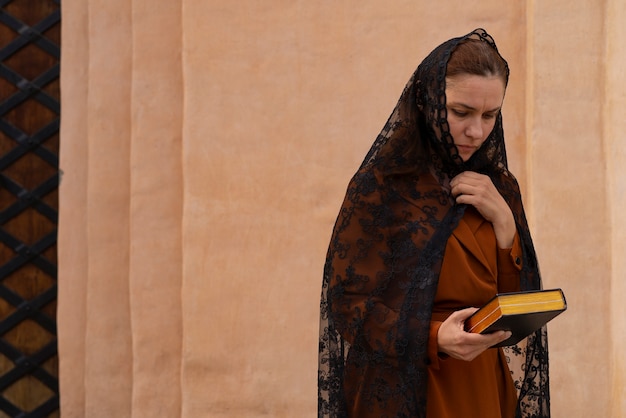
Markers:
(454, 341)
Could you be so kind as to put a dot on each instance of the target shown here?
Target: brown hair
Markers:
(476, 57)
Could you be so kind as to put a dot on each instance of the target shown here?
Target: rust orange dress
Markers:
(474, 270)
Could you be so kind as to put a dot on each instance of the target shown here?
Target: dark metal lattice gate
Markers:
(29, 178)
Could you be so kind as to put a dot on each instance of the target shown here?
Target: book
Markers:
(522, 313)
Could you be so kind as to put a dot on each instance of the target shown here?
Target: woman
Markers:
(432, 226)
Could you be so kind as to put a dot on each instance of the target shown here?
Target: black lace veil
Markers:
(385, 254)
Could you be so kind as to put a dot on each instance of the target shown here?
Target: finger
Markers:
(463, 198)
(463, 314)
(468, 197)
(474, 180)
(466, 176)
(463, 188)
(498, 337)
(472, 175)
(472, 345)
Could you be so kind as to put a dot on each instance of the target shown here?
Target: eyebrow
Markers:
(468, 107)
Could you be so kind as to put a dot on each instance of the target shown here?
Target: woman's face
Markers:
(473, 103)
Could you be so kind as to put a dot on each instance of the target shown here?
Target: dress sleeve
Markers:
(434, 355)
(509, 266)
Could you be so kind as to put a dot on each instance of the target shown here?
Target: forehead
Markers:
(473, 89)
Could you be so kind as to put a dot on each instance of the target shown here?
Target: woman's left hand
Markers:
(479, 191)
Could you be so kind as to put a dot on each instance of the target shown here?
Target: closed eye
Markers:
(459, 113)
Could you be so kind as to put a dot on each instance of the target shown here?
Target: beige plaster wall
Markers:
(614, 129)
(570, 205)
(207, 145)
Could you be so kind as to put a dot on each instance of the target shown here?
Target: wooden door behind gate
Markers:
(29, 178)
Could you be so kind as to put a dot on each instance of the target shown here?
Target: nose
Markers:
(474, 129)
